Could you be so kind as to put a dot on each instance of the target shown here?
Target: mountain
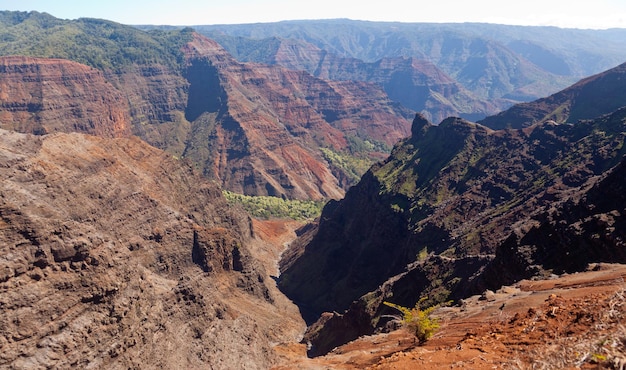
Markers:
(278, 120)
(561, 50)
(515, 63)
(114, 254)
(256, 129)
(589, 98)
(428, 221)
(415, 83)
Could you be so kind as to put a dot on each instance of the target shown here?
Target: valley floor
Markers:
(572, 321)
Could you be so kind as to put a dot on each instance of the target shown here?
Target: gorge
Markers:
(483, 172)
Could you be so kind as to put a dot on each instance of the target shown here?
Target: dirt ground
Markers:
(572, 321)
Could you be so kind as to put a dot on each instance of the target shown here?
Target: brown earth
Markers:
(115, 255)
(574, 321)
(277, 234)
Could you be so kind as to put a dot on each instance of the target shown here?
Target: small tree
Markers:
(418, 321)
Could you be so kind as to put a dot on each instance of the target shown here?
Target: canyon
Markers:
(118, 248)
(355, 95)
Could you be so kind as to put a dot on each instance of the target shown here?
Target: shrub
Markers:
(418, 321)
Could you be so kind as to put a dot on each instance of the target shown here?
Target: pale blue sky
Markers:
(561, 13)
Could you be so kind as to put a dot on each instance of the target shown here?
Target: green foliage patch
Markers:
(352, 166)
(355, 161)
(359, 145)
(266, 207)
(95, 42)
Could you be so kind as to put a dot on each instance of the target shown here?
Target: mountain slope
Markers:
(257, 129)
(116, 255)
(591, 97)
(98, 43)
(426, 220)
(566, 236)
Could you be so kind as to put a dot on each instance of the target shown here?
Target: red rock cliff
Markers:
(52, 95)
(266, 124)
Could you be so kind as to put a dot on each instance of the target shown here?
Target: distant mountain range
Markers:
(497, 64)
(561, 51)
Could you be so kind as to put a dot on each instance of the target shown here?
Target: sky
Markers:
(596, 14)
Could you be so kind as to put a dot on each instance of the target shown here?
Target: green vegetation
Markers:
(423, 254)
(357, 159)
(352, 166)
(418, 321)
(97, 43)
(266, 207)
(358, 145)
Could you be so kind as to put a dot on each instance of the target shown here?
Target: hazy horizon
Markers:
(601, 14)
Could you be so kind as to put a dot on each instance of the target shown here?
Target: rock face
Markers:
(593, 96)
(265, 124)
(564, 237)
(157, 99)
(54, 95)
(115, 255)
(426, 222)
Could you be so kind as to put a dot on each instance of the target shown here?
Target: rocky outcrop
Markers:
(567, 236)
(52, 95)
(114, 255)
